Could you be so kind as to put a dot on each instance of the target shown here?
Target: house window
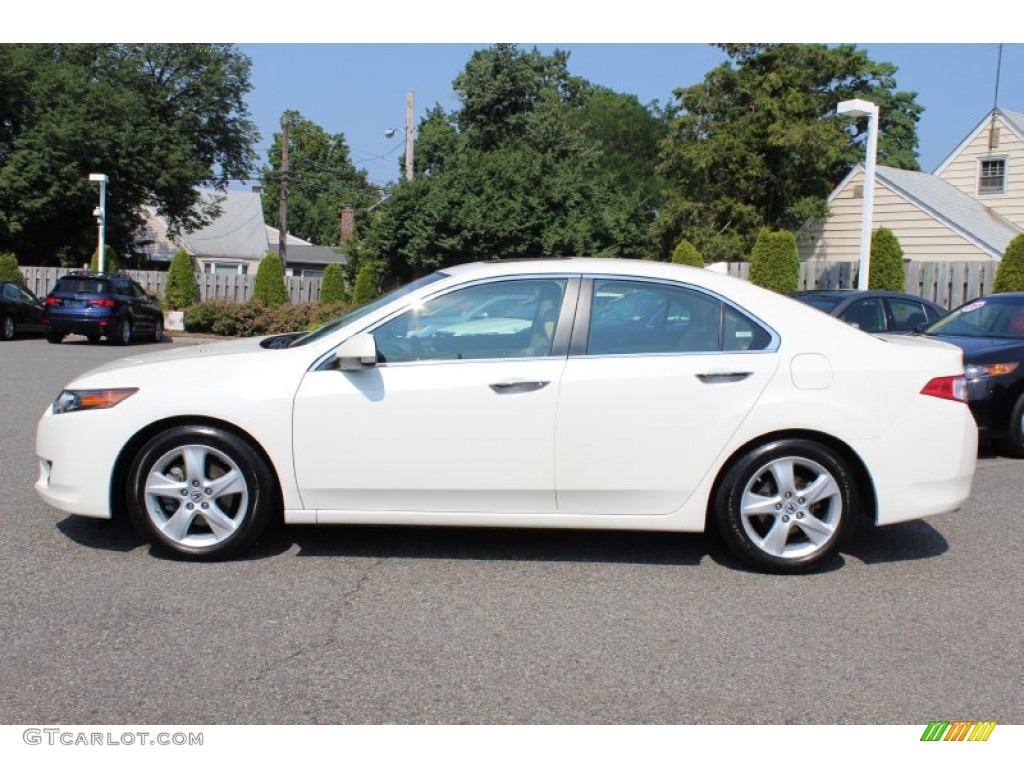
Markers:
(992, 180)
(222, 268)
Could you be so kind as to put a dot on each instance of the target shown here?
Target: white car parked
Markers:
(729, 406)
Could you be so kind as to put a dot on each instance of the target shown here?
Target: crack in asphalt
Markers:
(319, 647)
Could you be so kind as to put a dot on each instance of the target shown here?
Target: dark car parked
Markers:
(20, 311)
(990, 331)
(95, 306)
(874, 311)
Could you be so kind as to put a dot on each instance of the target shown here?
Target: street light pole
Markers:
(861, 108)
(101, 214)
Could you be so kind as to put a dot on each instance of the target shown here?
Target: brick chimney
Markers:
(348, 224)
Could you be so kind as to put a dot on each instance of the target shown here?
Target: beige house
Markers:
(968, 210)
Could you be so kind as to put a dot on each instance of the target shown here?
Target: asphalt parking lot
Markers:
(370, 625)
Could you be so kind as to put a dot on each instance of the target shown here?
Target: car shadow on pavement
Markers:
(528, 545)
(915, 540)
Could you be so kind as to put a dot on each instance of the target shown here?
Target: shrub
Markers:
(687, 253)
(9, 267)
(1010, 272)
(365, 289)
(109, 260)
(332, 287)
(182, 289)
(327, 312)
(269, 290)
(774, 262)
(886, 270)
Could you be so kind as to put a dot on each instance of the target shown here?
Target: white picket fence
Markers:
(947, 283)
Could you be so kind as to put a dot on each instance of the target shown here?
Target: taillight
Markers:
(52, 301)
(947, 387)
(102, 303)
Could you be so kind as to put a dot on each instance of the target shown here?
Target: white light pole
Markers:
(861, 108)
(101, 212)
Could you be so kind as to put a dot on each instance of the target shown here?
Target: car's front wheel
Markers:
(7, 328)
(785, 507)
(158, 330)
(200, 492)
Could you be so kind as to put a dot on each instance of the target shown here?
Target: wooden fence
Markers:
(947, 283)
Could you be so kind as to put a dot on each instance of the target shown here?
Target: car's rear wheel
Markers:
(54, 337)
(200, 492)
(1013, 443)
(123, 333)
(93, 337)
(7, 328)
(785, 507)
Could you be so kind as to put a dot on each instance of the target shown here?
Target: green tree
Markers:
(759, 144)
(365, 289)
(514, 174)
(321, 181)
(332, 286)
(110, 262)
(687, 253)
(182, 289)
(1010, 272)
(886, 271)
(158, 119)
(269, 290)
(9, 267)
(774, 262)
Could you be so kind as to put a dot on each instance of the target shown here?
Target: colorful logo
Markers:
(958, 730)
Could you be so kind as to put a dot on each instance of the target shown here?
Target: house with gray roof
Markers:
(968, 210)
(235, 241)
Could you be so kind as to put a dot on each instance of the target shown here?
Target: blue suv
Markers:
(95, 306)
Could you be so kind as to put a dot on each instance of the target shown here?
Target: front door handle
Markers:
(723, 377)
(513, 387)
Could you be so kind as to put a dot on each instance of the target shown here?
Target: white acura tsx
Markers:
(612, 394)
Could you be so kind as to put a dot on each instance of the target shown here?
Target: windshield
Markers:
(991, 316)
(366, 309)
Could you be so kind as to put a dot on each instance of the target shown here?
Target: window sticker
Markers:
(972, 307)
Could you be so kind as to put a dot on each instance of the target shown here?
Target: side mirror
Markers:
(357, 353)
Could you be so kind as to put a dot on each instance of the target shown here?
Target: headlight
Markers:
(982, 371)
(71, 400)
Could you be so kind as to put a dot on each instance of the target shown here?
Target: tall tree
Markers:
(520, 171)
(158, 119)
(758, 142)
(322, 180)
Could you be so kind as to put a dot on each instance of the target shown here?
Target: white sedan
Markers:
(721, 404)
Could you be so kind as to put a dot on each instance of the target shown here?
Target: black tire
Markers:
(229, 493)
(7, 328)
(93, 337)
(54, 337)
(779, 533)
(158, 330)
(1013, 443)
(123, 334)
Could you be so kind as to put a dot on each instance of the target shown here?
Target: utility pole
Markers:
(409, 109)
(282, 238)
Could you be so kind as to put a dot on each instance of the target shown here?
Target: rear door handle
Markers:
(512, 387)
(723, 377)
